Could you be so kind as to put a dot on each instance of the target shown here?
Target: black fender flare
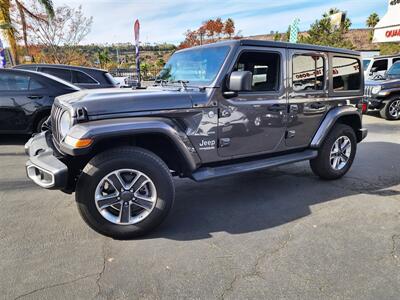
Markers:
(125, 127)
(330, 120)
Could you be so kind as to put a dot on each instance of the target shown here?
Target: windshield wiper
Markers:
(182, 82)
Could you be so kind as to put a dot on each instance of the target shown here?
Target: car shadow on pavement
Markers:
(13, 140)
(261, 200)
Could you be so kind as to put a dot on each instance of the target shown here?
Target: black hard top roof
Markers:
(260, 43)
(59, 66)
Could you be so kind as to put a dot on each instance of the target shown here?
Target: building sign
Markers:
(388, 29)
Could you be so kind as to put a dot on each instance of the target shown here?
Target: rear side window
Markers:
(35, 85)
(80, 77)
(380, 65)
(308, 73)
(13, 82)
(265, 69)
(60, 73)
(346, 74)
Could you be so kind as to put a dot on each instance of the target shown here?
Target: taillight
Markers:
(364, 107)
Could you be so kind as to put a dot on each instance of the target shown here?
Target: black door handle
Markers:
(35, 97)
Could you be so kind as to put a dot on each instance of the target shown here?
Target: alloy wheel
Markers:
(125, 196)
(340, 153)
(394, 109)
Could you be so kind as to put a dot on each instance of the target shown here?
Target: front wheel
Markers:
(336, 154)
(391, 110)
(125, 193)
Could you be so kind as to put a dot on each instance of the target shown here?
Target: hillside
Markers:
(359, 37)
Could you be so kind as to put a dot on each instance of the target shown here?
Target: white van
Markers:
(377, 66)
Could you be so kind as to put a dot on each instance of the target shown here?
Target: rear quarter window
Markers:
(82, 78)
(346, 74)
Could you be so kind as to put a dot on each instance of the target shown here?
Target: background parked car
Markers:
(26, 98)
(377, 66)
(384, 93)
(83, 77)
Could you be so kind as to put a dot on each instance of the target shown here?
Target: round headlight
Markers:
(376, 89)
(65, 124)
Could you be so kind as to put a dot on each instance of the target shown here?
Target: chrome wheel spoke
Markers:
(107, 201)
(139, 183)
(125, 213)
(143, 202)
(116, 181)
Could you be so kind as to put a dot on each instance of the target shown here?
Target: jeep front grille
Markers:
(368, 91)
(56, 113)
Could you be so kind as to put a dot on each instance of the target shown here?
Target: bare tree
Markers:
(61, 35)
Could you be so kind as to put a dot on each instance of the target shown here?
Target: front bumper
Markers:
(43, 167)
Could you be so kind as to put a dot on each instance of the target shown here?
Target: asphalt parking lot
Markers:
(281, 233)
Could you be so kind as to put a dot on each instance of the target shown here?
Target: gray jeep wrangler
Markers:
(215, 110)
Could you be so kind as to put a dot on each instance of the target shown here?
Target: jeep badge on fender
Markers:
(246, 105)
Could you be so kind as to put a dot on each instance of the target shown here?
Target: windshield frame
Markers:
(214, 82)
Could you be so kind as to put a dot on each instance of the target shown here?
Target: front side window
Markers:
(380, 65)
(60, 73)
(265, 69)
(195, 66)
(308, 73)
(13, 82)
(346, 74)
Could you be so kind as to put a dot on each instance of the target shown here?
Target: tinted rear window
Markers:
(60, 73)
(346, 74)
(80, 77)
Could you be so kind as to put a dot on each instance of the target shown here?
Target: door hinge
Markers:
(290, 134)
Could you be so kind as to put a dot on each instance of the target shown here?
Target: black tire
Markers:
(321, 165)
(39, 124)
(385, 110)
(124, 158)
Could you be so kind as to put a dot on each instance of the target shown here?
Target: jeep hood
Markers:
(115, 101)
(386, 84)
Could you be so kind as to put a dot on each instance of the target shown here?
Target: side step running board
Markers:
(207, 173)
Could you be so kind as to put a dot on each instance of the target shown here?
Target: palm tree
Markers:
(104, 58)
(372, 20)
(6, 23)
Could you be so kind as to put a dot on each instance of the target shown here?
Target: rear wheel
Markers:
(336, 154)
(125, 193)
(39, 125)
(391, 110)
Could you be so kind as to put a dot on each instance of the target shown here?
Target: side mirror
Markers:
(373, 70)
(240, 81)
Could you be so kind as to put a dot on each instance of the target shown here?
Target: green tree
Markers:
(322, 32)
(277, 36)
(145, 67)
(372, 20)
(104, 58)
(9, 25)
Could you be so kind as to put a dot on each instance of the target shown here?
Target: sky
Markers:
(166, 21)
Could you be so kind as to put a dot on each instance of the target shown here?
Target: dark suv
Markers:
(83, 77)
(215, 110)
(383, 93)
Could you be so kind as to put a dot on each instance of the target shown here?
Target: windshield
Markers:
(198, 66)
(394, 71)
(366, 63)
